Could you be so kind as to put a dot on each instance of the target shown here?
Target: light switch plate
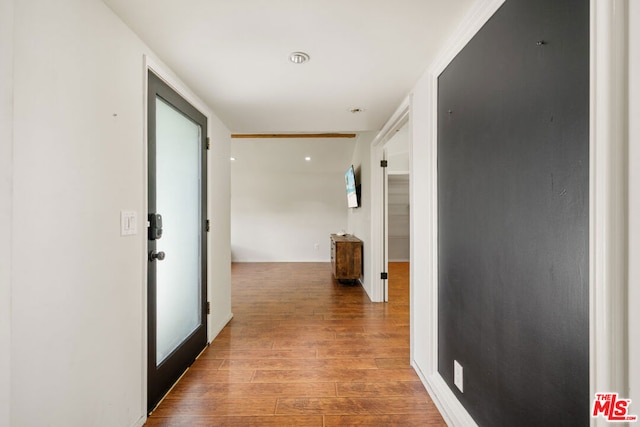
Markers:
(128, 223)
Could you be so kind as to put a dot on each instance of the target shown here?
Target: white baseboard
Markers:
(454, 414)
(140, 421)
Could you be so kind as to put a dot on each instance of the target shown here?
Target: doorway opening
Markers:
(398, 230)
(397, 235)
(176, 241)
(391, 193)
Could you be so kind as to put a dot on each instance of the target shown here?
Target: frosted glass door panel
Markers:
(178, 201)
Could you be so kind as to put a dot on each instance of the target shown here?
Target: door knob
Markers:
(153, 255)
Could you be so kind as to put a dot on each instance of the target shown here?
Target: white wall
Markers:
(78, 346)
(77, 297)
(397, 149)
(220, 235)
(634, 205)
(422, 233)
(359, 219)
(6, 148)
(283, 206)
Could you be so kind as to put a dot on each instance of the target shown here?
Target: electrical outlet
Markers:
(457, 375)
(316, 247)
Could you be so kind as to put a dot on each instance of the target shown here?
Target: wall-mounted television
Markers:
(353, 198)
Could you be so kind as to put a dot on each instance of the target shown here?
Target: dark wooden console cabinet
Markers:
(346, 257)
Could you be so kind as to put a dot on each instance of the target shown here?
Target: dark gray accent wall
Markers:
(513, 216)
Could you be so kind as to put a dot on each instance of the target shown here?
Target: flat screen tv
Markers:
(352, 193)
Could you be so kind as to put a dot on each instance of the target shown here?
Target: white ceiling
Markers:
(365, 54)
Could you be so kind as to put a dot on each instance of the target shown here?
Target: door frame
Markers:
(379, 238)
(150, 64)
(169, 370)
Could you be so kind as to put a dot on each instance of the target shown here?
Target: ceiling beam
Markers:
(293, 135)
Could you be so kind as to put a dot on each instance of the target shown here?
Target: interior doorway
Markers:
(390, 157)
(397, 229)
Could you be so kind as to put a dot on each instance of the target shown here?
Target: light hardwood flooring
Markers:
(304, 350)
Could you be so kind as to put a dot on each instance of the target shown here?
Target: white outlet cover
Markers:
(458, 376)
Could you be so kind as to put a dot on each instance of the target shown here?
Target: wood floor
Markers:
(303, 350)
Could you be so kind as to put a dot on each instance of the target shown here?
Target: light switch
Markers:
(128, 223)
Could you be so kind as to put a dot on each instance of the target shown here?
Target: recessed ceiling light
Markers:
(299, 57)
(233, 159)
(308, 159)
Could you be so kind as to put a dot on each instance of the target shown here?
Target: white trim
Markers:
(378, 250)
(633, 207)
(608, 199)
(144, 242)
(385, 225)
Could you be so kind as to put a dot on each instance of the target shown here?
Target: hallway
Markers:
(303, 350)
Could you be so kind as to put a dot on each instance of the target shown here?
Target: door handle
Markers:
(153, 255)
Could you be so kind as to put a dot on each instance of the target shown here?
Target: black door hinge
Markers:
(208, 143)
(208, 307)
(208, 226)
(383, 163)
(384, 276)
